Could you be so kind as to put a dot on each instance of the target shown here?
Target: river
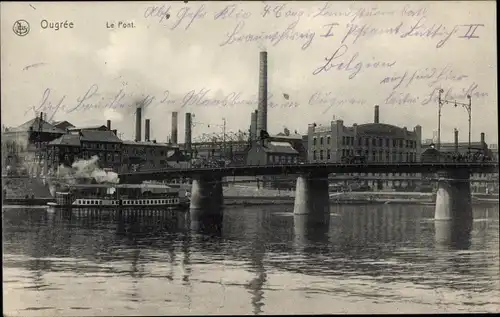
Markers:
(259, 260)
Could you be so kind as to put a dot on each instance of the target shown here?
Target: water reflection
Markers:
(311, 229)
(455, 234)
(386, 247)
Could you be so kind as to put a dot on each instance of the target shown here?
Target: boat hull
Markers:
(169, 203)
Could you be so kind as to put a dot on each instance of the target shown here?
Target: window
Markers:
(360, 141)
(374, 142)
(321, 140)
(321, 155)
(328, 140)
(328, 155)
(314, 141)
(387, 142)
(374, 156)
(380, 142)
(367, 142)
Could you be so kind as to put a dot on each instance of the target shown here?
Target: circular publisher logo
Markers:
(21, 27)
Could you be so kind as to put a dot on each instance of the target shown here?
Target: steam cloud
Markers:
(83, 170)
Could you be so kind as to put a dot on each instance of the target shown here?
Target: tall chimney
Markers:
(262, 107)
(456, 140)
(147, 131)
(376, 119)
(253, 125)
(482, 138)
(187, 128)
(174, 127)
(138, 121)
(108, 124)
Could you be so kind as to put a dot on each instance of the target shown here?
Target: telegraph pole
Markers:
(467, 106)
(224, 136)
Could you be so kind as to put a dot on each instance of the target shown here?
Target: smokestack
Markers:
(108, 124)
(187, 128)
(253, 125)
(262, 108)
(482, 138)
(41, 116)
(146, 131)
(138, 122)
(174, 127)
(456, 140)
(376, 119)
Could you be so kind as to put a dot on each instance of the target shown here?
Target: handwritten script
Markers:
(92, 99)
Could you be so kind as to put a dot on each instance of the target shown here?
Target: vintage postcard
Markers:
(249, 157)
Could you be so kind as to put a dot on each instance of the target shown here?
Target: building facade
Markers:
(137, 156)
(83, 145)
(376, 142)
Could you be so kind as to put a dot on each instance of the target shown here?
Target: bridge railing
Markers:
(433, 165)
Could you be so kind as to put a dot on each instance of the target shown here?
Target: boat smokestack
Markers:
(147, 131)
(456, 139)
(108, 124)
(174, 127)
(376, 115)
(138, 122)
(187, 129)
(262, 107)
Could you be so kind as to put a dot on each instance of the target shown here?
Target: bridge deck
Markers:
(473, 167)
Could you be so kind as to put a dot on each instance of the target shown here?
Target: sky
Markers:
(325, 61)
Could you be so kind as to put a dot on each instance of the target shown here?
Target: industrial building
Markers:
(84, 144)
(376, 142)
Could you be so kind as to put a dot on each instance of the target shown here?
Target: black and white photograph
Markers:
(249, 158)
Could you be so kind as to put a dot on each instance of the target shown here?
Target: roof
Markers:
(62, 124)
(35, 124)
(382, 129)
(99, 136)
(90, 127)
(290, 137)
(141, 143)
(67, 140)
(279, 147)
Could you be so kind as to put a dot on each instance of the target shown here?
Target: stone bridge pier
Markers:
(312, 202)
(206, 200)
(453, 196)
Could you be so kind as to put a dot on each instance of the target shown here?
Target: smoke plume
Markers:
(83, 171)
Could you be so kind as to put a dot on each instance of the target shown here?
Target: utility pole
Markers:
(224, 136)
(467, 106)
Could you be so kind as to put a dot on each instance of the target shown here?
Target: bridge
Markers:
(328, 168)
(453, 197)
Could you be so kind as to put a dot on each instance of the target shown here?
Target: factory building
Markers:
(24, 145)
(83, 145)
(370, 142)
(147, 154)
(375, 142)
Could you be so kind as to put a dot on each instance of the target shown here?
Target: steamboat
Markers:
(145, 195)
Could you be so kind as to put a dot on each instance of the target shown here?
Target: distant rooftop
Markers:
(280, 147)
(144, 143)
(99, 136)
(37, 124)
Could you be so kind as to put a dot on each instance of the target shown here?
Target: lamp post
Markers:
(467, 106)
